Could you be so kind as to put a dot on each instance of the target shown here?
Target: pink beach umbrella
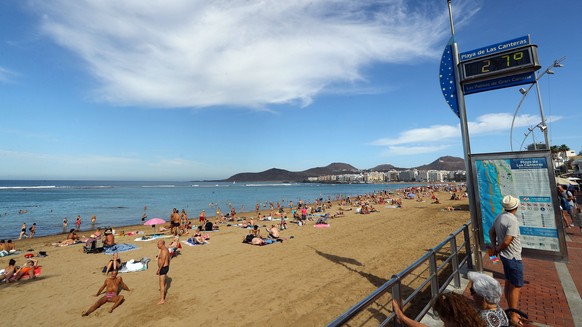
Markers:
(154, 221)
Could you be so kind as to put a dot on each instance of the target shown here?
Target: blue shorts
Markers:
(513, 270)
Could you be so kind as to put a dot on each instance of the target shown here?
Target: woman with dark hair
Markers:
(487, 293)
(453, 309)
(114, 264)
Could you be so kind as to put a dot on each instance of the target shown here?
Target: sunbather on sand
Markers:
(322, 220)
(27, 269)
(109, 238)
(196, 239)
(9, 271)
(72, 238)
(273, 232)
(114, 264)
(174, 247)
(256, 232)
(257, 241)
(111, 285)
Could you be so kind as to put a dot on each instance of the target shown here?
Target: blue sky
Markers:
(189, 90)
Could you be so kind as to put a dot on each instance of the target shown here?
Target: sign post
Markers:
(528, 176)
(459, 102)
(504, 64)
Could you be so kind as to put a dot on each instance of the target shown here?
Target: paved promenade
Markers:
(551, 294)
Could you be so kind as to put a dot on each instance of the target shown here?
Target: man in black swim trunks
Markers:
(175, 222)
(163, 268)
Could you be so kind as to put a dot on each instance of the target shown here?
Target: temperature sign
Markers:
(524, 59)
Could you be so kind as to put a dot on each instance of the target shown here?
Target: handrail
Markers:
(394, 283)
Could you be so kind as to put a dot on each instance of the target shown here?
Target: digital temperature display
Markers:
(517, 59)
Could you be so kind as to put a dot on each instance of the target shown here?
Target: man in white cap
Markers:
(506, 242)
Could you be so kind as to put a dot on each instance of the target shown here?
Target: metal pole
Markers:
(451, 17)
(466, 149)
(533, 136)
(556, 63)
(542, 115)
(515, 115)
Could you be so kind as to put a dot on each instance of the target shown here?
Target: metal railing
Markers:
(433, 272)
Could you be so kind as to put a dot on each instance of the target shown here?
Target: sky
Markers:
(195, 90)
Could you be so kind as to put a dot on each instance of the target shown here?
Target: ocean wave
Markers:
(274, 184)
(160, 186)
(83, 187)
(55, 187)
(26, 187)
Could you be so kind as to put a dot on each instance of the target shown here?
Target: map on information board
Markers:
(527, 179)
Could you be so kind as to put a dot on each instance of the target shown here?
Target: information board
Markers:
(530, 177)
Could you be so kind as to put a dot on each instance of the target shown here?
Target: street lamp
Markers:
(530, 130)
(524, 92)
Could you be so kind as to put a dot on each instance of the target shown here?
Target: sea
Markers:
(122, 203)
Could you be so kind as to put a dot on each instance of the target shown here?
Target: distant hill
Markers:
(275, 174)
(385, 168)
(445, 163)
(337, 168)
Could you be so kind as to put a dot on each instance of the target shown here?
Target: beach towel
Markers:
(193, 244)
(75, 243)
(147, 238)
(133, 266)
(123, 247)
(321, 225)
(4, 253)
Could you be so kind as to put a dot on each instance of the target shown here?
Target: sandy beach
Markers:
(307, 280)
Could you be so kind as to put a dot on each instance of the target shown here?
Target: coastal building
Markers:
(392, 176)
(458, 176)
(435, 176)
(376, 177)
(410, 175)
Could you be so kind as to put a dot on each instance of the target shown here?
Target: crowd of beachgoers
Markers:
(272, 222)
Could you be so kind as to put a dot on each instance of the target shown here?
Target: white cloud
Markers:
(415, 150)
(243, 53)
(437, 137)
(6, 75)
(429, 134)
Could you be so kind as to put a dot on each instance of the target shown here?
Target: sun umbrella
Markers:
(154, 221)
(565, 181)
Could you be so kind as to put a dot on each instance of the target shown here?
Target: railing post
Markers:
(455, 262)
(434, 283)
(397, 296)
(468, 247)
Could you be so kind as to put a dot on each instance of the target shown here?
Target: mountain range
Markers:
(275, 174)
